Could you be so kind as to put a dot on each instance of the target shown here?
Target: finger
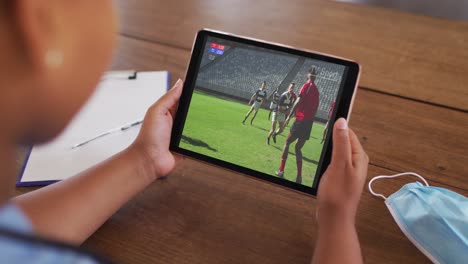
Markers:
(173, 110)
(359, 156)
(169, 101)
(175, 92)
(178, 90)
(356, 147)
(341, 154)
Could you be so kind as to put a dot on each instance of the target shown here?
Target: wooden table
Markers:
(410, 114)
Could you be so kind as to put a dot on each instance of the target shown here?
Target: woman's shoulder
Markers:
(13, 218)
(19, 245)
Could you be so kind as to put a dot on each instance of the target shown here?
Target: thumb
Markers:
(176, 90)
(341, 146)
(170, 100)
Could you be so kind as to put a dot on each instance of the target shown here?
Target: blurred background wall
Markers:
(452, 9)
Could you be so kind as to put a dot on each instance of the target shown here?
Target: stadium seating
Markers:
(240, 71)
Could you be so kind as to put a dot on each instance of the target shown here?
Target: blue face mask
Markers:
(434, 219)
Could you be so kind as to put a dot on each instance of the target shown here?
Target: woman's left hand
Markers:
(155, 134)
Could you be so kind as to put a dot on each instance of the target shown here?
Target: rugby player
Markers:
(257, 98)
(305, 108)
(274, 101)
(279, 114)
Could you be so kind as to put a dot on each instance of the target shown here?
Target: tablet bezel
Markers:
(343, 104)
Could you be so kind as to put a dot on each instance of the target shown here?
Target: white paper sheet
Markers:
(116, 102)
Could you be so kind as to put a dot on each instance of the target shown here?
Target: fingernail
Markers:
(342, 123)
(178, 82)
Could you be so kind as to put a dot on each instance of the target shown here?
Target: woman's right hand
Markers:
(341, 186)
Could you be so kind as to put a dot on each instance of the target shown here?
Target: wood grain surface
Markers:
(205, 214)
(413, 56)
(410, 114)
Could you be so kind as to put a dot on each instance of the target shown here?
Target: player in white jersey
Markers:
(285, 101)
(274, 101)
(257, 98)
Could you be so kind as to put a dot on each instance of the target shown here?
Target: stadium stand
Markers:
(239, 72)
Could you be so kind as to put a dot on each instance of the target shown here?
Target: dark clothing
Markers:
(286, 100)
(260, 95)
(302, 129)
(276, 97)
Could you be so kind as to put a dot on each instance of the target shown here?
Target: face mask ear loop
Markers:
(369, 186)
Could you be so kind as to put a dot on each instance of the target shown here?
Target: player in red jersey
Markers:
(305, 107)
(330, 113)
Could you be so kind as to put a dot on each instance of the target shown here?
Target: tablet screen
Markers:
(241, 98)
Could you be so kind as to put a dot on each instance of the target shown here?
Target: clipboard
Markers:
(121, 98)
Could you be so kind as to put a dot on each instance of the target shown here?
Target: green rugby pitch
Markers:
(214, 128)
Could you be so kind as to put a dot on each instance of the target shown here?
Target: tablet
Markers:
(237, 96)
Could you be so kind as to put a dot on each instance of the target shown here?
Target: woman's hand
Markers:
(341, 186)
(155, 134)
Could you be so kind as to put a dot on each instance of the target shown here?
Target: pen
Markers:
(131, 125)
(123, 128)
